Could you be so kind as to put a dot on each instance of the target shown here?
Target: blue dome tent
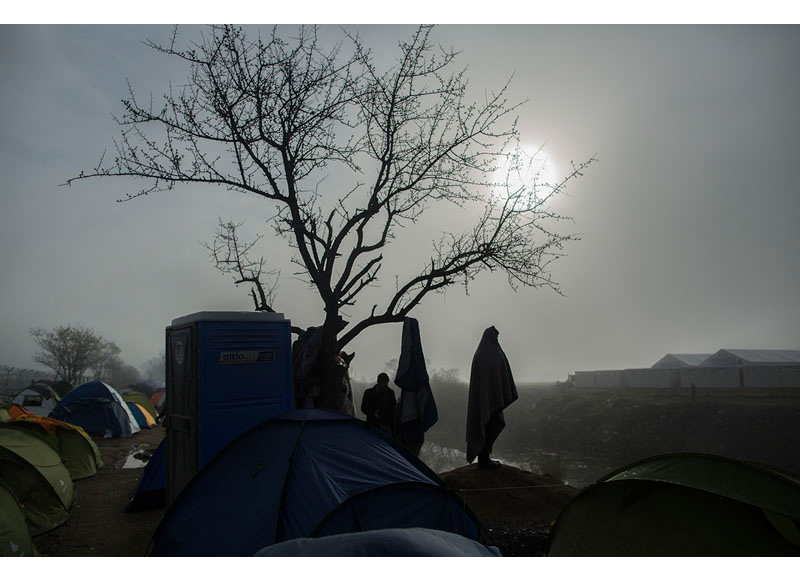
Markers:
(306, 473)
(151, 491)
(99, 409)
(141, 415)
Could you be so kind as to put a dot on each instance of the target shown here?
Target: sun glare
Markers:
(533, 167)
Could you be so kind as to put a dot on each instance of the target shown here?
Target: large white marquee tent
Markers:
(731, 368)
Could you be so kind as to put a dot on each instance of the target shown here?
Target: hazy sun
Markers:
(532, 167)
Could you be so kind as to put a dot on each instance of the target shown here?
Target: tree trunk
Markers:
(334, 386)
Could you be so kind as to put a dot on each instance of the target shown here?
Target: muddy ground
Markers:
(98, 524)
(515, 507)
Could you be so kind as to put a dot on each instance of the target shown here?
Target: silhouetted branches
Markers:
(275, 116)
(231, 255)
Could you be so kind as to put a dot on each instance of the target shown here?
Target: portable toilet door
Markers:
(226, 373)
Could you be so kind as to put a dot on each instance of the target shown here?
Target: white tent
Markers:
(680, 361)
(741, 358)
(133, 423)
(37, 398)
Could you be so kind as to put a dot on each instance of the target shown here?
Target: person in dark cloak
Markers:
(309, 391)
(378, 404)
(491, 389)
(416, 410)
(304, 361)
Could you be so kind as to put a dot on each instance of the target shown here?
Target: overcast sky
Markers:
(690, 218)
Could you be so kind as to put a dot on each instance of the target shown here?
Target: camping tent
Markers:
(393, 542)
(12, 411)
(37, 398)
(306, 473)
(38, 477)
(683, 504)
(158, 400)
(151, 491)
(140, 399)
(15, 540)
(143, 417)
(78, 452)
(99, 409)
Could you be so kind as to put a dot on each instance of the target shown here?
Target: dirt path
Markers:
(516, 507)
(98, 524)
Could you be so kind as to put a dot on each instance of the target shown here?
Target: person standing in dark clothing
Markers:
(378, 404)
(416, 409)
(491, 389)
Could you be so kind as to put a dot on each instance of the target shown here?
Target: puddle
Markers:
(132, 463)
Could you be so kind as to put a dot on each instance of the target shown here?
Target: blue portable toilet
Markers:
(226, 372)
(305, 474)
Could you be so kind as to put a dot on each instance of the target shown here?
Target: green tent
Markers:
(76, 449)
(38, 477)
(683, 504)
(15, 540)
(137, 397)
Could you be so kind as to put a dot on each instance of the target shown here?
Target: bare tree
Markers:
(119, 374)
(7, 389)
(231, 255)
(155, 368)
(68, 350)
(105, 359)
(274, 116)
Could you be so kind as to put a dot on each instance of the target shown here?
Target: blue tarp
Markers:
(98, 409)
(307, 473)
(151, 491)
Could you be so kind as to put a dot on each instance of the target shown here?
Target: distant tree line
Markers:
(76, 354)
(12, 378)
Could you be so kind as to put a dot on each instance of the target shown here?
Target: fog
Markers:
(688, 218)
